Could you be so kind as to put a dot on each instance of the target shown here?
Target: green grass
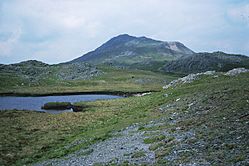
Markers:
(138, 154)
(218, 118)
(156, 145)
(57, 105)
(112, 80)
(31, 136)
(154, 139)
(215, 118)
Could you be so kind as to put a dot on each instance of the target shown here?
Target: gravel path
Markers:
(119, 149)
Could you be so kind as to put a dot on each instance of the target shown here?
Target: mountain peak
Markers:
(120, 39)
(130, 37)
(124, 35)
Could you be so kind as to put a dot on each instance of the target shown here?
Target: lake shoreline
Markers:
(37, 103)
(117, 93)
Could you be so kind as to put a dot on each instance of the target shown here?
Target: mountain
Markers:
(200, 62)
(138, 52)
(149, 54)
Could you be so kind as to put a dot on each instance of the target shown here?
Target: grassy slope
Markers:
(216, 120)
(215, 112)
(113, 80)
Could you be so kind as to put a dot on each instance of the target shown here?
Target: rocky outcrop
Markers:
(187, 79)
(77, 71)
(236, 71)
(192, 77)
(34, 71)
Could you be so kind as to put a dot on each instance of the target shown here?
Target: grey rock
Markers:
(115, 150)
(34, 72)
(236, 71)
(187, 79)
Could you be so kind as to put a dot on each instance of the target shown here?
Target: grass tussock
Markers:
(57, 105)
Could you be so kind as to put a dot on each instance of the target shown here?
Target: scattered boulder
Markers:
(142, 94)
(192, 77)
(178, 99)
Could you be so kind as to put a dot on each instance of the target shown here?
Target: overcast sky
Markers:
(54, 31)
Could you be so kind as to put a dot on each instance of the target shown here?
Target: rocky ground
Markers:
(126, 146)
(35, 71)
(77, 71)
(200, 119)
(191, 77)
(202, 128)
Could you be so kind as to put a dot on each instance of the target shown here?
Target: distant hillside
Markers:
(35, 71)
(137, 52)
(201, 62)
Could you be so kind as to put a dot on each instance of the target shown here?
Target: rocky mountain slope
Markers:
(137, 52)
(35, 71)
(201, 62)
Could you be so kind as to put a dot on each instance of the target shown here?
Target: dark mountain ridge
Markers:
(201, 62)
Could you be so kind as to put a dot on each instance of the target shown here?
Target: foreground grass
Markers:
(31, 136)
(213, 129)
(112, 80)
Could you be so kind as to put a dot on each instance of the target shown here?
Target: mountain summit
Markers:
(126, 50)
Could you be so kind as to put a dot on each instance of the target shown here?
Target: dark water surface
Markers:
(35, 103)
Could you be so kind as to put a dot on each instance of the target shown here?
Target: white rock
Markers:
(209, 73)
(166, 95)
(142, 94)
(190, 104)
(236, 71)
(187, 79)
